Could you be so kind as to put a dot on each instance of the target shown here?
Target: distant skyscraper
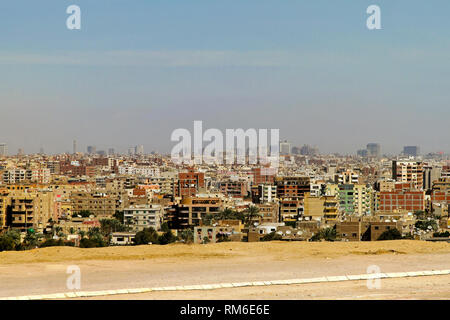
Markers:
(20, 152)
(362, 153)
(3, 149)
(91, 149)
(111, 151)
(307, 150)
(412, 151)
(285, 148)
(41, 150)
(139, 150)
(74, 146)
(373, 150)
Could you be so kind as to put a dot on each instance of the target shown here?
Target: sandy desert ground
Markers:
(43, 271)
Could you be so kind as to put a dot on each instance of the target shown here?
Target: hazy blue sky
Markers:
(139, 69)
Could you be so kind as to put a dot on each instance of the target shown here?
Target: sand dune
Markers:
(275, 250)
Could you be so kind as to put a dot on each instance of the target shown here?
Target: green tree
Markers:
(327, 234)
(95, 239)
(52, 243)
(420, 214)
(88, 243)
(208, 219)
(273, 236)
(187, 236)
(222, 237)
(425, 224)
(146, 236)
(10, 240)
(108, 226)
(391, 234)
(167, 237)
(119, 216)
(164, 227)
(31, 240)
(250, 214)
(441, 234)
(82, 213)
(206, 240)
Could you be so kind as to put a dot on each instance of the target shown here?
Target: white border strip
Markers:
(231, 285)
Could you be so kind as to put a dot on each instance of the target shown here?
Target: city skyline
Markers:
(138, 149)
(311, 69)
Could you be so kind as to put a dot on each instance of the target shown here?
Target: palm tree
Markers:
(226, 214)
(250, 214)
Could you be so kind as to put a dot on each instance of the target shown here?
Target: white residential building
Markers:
(140, 217)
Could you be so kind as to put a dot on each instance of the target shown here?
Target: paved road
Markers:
(429, 287)
(42, 278)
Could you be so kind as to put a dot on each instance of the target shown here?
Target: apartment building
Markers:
(191, 210)
(140, 217)
(18, 175)
(15, 176)
(236, 189)
(268, 212)
(29, 210)
(100, 204)
(323, 208)
(266, 193)
(139, 171)
(402, 200)
(290, 210)
(292, 187)
(347, 177)
(4, 203)
(263, 176)
(408, 171)
(189, 183)
(441, 184)
(165, 183)
(355, 199)
(78, 170)
(431, 174)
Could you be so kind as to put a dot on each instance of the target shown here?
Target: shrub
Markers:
(391, 234)
(146, 236)
(424, 224)
(10, 240)
(52, 243)
(441, 234)
(167, 237)
(273, 236)
(327, 234)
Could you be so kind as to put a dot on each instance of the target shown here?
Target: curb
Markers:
(214, 286)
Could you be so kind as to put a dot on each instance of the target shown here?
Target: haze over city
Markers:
(133, 74)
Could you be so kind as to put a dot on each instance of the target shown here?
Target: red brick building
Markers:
(75, 171)
(440, 196)
(234, 188)
(262, 176)
(292, 187)
(189, 183)
(402, 200)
